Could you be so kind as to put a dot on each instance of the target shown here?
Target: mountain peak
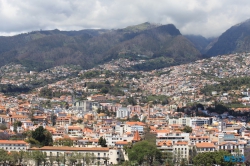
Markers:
(235, 39)
(170, 28)
(140, 27)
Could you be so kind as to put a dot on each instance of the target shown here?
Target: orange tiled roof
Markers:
(135, 123)
(165, 143)
(205, 145)
(181, 143)
(74, 127)
(12, 142)
(66, 148)
(121, 143)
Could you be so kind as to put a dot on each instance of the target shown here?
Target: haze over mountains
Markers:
(159, 45)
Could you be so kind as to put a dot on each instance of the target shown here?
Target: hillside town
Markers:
(96, 116)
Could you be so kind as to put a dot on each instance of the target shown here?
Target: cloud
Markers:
(208, 18)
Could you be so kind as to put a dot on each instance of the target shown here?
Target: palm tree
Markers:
(4, 157)
(37, 156)
(60, 158)
(72, 158)
(192, 154)
(183, 162)
(21, 156)
(14, 157)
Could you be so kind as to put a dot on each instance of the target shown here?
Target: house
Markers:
(204, 147)
(181, 150)
(14, 145)
(102, 155)
(122, 112)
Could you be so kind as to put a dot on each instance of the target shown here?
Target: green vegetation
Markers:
(106, 87)
(4, 157)
(135, 118)
(12, 158)
(40, 158)
(91, 74)
(37, 156)
(156, 63)
(41, 50)
(159, 73)
(40, 137)
(210, 158)
(187, 129)
(49, 93)
(79, 121)
(13, 89)
(156, 99)
(17, 124)
(102, 142)
(235, 39)
(226, 85)
(3, 127)
(144, 152)
(63, 142)
(133, 56)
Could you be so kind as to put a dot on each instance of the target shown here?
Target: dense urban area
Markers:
(111, 115)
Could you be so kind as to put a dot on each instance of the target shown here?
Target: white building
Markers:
(112, 139)
(205, 147)
(122, 112)
(180, 151)
(190, 121)
(14, 145)
(172, 136)
(74, 131)
(102, 155)
(27, 124)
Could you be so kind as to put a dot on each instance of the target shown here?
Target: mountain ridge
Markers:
(40, 50)
(234, 40)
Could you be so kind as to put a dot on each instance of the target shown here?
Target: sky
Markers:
(209, 18)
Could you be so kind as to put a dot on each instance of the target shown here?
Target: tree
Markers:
(104, 90)
(63, 142)
(192, 154)
(21, 156)
(14, 157)
(131, 101)
(210, 158)
(3, 127)
(4, 157)
(45, 92)
(144, 151)
(17, 124)
(37, 156)
(102, 142)
(135, 118)
(168, 157)
(200, 106)
(187, 129)
(183, 162)
(51, 160)
(79, 121)
(41, 136)
(87, 158)
(73, 158)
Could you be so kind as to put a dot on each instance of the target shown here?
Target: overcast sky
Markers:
(205, 17)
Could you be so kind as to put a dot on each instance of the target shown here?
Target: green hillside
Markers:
(44, 49)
